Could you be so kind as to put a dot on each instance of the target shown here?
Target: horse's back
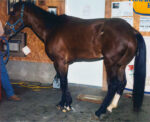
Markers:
(88, 39)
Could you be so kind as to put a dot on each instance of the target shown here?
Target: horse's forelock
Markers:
(18, 5)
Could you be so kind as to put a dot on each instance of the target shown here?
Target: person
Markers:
(5, 81)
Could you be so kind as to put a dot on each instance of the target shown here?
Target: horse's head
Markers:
(15, 22)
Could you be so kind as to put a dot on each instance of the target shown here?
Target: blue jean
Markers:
(6, 85)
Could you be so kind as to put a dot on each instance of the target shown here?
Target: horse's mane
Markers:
(33, 6)
(49, 19)
(46, 16)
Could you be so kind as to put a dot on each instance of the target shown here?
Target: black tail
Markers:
(139, 73)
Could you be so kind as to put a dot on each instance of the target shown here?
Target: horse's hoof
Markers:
(109, 109)
(99, 118)
(68, 108)
(108, 112)
(103, 116)
(58, 107)
(64, 110)
(94, 117)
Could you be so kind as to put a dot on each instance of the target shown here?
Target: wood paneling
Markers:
(3, 11)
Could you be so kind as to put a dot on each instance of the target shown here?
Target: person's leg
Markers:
(0, 83)
(5, 82)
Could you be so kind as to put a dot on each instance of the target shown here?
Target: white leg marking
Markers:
(114, 102)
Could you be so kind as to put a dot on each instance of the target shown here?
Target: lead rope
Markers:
(6, 53)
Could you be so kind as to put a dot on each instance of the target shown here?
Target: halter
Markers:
(12, 26)
(6, 53)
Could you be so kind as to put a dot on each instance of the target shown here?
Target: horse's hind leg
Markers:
(112, 88)
(66, 99)
(121, 87)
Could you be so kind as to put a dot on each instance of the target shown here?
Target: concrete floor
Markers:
(39, 106)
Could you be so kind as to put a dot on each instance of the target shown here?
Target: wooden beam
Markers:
(90, 98)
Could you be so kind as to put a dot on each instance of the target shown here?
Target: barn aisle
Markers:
(39, 106)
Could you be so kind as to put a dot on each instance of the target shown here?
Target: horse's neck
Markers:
(39, 27)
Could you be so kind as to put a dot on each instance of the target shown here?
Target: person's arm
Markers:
(1, 34)
(1, 29)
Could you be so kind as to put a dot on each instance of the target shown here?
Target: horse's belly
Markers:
(87, 55)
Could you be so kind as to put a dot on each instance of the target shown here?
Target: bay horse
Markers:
(68, 39)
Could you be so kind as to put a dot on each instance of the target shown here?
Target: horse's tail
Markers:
(139, 73)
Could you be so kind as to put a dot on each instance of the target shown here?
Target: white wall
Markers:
(86, 9)
(88, 73)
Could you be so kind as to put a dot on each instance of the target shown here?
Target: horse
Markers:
(68, 39)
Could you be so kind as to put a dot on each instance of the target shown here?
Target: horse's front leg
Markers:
(66, 99)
